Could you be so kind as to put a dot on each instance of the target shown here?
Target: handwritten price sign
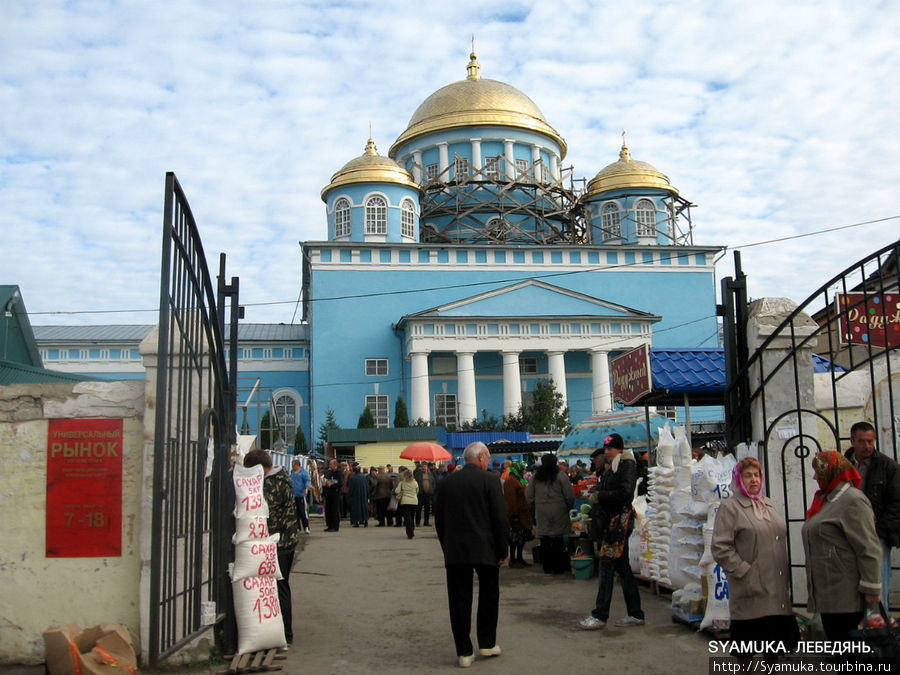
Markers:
(84, 488)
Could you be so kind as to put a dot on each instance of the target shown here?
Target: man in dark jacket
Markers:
(881, 484)
(333, 484)
(612, 499)
(278, 491)
(471, 523)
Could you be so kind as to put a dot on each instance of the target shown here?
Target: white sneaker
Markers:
(466, 661)
(628, 621)
(306, 530)
(490, 651)
(591, 623)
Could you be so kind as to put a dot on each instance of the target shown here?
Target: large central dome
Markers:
(476, 102)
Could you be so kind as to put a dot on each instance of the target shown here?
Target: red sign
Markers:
(870, 318)
(631, 375)
(84, 488)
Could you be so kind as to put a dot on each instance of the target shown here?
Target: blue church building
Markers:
(465, 266)
(458, 271)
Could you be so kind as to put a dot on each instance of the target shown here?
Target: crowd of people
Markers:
(485, 512)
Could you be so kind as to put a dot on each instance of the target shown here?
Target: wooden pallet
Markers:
(255, 662)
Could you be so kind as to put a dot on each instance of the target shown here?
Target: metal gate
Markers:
(832, 361)
(195, 426)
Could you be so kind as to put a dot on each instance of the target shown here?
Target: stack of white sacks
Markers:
(674, 542)
(255, 569)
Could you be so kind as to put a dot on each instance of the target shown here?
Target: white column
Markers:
(417, 166)
(512, 383)
(443, 159)
(420, 404)
(476, 155)
(556, 362)
(465, 383)
(509, 158)
(601, 394)
(554, 167)
(536, 163)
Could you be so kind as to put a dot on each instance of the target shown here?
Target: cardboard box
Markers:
(104, 649)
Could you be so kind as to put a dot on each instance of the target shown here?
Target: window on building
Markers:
(431, 173)
(645, 216)
(460, 168)
(611, 221)
(376, 215)
(521, 167)
(497, 228)
(545, 174)
(445, 410)
(376, 366)
(407, 218)
(528, 365)
(286, 414)
(342, 218)
(492, 168)
(378, 404)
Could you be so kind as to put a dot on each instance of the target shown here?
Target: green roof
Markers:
(19, 373)
(403, 434)
(17, 343)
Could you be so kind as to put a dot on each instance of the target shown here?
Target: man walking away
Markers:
(471, 524)
(881, 484)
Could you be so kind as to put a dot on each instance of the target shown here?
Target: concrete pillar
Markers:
(476, 155)
(512, 383)
(601, 393)
(417, 166)
(509, 158)
(554, 167)
(557, 366)
(536, 163)
(420, 401)
(465, 382)
(443, 159)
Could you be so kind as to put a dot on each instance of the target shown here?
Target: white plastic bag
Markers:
(256, 558)
(248, 492)
(258, 614)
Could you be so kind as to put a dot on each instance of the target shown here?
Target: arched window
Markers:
(645, 216)
(496, 228)
(342, 218)
(376, 215)
(611, 221)
(407, 218)
(286, 414)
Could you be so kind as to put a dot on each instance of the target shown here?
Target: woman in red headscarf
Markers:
(750, 543)
(843, 554)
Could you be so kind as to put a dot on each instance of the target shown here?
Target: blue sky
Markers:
(775, 118)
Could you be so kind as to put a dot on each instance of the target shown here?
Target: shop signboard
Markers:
(84, 488)
(631, 375)
(870, 318)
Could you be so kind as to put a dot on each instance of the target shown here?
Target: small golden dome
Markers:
(370, 167)
(476, 102)
(628, 173)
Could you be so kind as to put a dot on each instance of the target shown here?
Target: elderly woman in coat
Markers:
(750, 543)
(843, 554)
(551, 493)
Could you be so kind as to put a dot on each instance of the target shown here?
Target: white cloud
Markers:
(775, 119)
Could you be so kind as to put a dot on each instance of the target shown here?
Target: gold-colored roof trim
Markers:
(370, 167)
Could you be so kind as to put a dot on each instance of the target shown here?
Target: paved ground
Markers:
(369, 600)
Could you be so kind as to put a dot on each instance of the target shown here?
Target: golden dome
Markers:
(628, 173)
(370, 167)
(476, 102)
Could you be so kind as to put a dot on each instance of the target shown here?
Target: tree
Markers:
(401, 415)
(547, 412)
(300, 442)
(366, 419)
(268, 434)
(329, 424)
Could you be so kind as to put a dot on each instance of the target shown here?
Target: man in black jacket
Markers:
(612, 498)
(472, 526)
(881, 484)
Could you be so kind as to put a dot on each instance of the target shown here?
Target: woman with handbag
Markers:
(407, 492)
(551, 493)
(519, 512)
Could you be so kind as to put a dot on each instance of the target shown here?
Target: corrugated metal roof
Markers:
(247, 332)
(688, 370)
(18, 373)
(458, 440)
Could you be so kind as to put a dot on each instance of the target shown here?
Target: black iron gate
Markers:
(195, 425)
(832, 361)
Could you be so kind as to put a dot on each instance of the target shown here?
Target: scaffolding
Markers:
(487, 206)
(673, 222)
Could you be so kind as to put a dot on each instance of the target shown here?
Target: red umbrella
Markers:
(423, 451)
